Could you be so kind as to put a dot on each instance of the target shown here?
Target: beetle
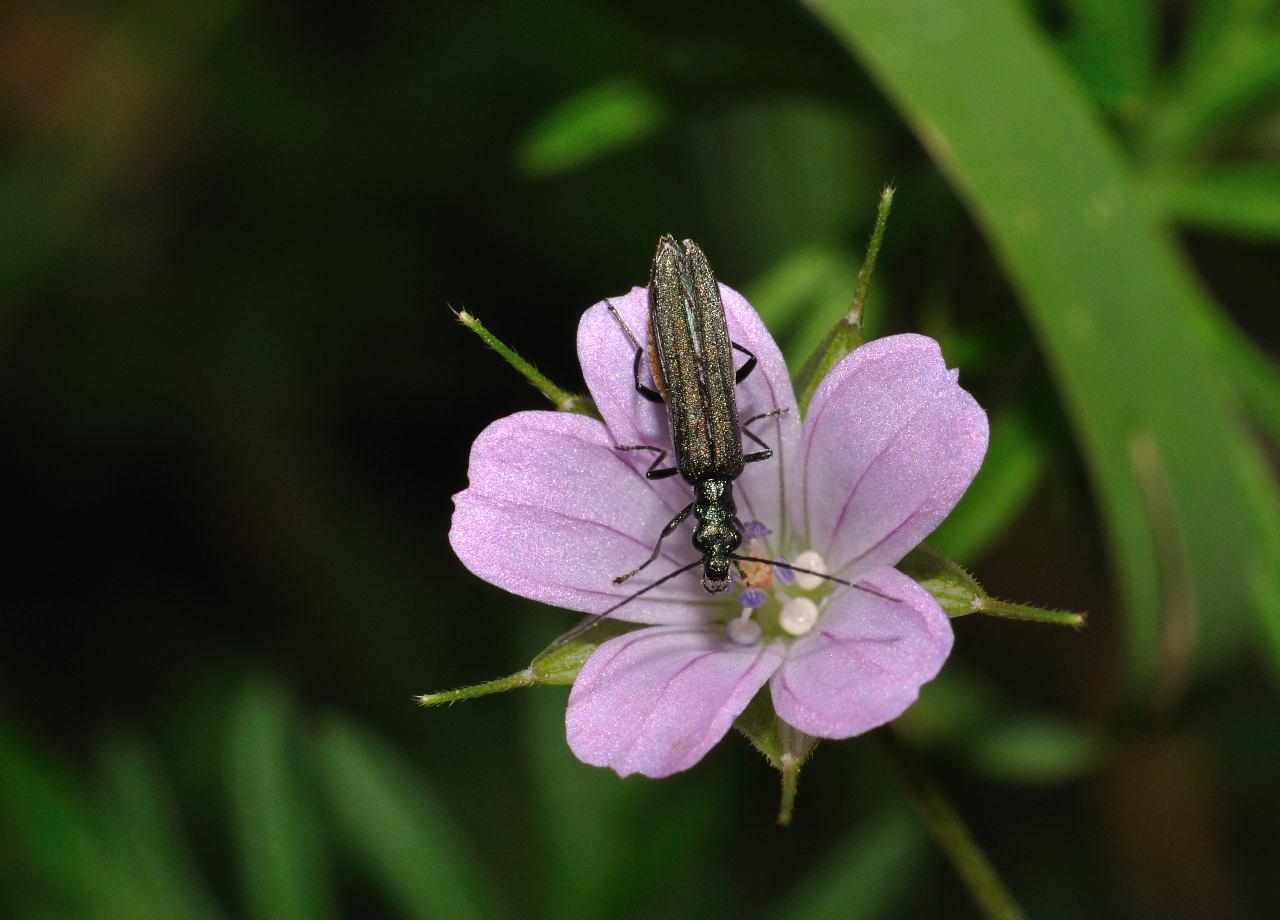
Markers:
(691, 358)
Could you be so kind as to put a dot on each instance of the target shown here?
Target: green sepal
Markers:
(560, 664)
(561, 398)
(845, 335)
(959, 593)
(554, 665)
(785, 748)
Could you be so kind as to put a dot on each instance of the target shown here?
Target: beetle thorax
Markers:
(719, 532)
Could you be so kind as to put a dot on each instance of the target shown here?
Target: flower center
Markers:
(777, 602)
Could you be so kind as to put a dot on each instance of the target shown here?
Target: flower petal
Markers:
(890, 444)
(553, 513)
(865, 662)
(607, 359)
(656, 700)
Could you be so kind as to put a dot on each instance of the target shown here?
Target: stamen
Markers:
(798, 616)
(810, 560)
(743, 630)
(754, 530)
(752, 598)
(784, 574)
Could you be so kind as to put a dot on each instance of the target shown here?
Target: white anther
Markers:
(809, 560)
(798, 616)
(743, 631)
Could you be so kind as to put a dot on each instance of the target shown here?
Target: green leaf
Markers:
(1230, 70)
(282, 869)
(959, 593)
(1035, 750)
(390, 819)
(1240, 200)
(870, 873)
(1113, 48)
(802, 294)
(589, 126)
(1012, 469)
(602, 841)
(1111, 302)
(53, 840)
(142, 821)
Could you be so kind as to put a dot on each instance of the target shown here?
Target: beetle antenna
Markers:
(592, 621)
(795, 568)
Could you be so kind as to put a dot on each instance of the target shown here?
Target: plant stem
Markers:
(994, 607)
(525, 678)
(950, 833)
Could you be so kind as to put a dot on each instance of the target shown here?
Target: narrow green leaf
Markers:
(387, 815)
(142, 821)
(282, 869)
(870, 873)
(602, 841)
(1048, 185)
(52, 837)
(588, 126)
(1230, 70)
(1013, 467)
(1239, 200)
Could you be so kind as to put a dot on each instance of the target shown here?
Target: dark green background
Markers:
(234, 405)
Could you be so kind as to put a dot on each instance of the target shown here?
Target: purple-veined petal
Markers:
(865, 661)
(607, 359)
(656, 700)
(553, 512)
(890, 443)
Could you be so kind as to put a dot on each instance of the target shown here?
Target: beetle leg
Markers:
(666, 532)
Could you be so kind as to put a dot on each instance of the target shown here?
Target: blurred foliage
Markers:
(235, 406)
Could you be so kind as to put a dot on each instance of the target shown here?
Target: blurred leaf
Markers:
(1113, 48)
(142, 821)
(761, 205)
(1229, 69)
(1113, 305)
(603, 840)
(49, 829)
(588, 126)
(848, 332)
(870, 873)
(1035, 750)
(282, 868)
(1012, 469)
(1242, 201)
(802, 295)
(394, 824)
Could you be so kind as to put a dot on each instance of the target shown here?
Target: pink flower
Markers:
(553, 511)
